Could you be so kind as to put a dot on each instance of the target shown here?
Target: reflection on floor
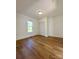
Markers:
(39, 47)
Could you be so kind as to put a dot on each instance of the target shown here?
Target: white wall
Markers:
(53, 26)
(43, 26)
(50, 26)
(58, 26)
(21, 26)
(47, 26)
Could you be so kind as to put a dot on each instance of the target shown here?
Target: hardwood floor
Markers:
(39, 47)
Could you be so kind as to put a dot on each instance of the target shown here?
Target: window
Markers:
(29, 23)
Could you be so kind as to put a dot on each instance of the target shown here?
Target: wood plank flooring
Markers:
(39, 47)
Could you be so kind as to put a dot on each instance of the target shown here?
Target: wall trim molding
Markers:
(39, 35)
(56, 37)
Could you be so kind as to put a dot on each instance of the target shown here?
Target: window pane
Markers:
(30, 30)
(29, 23)
(29, 26)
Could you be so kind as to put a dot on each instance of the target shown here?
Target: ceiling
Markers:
(32, 7)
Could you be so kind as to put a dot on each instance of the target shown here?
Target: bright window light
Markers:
(29, 26)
